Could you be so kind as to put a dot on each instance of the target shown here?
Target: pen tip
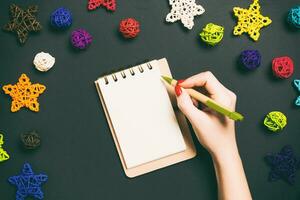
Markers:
(167, 79)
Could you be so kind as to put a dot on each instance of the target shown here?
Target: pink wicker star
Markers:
(109, 4)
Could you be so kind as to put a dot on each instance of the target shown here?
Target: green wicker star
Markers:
(23, 22)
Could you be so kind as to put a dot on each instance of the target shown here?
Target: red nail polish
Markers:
(179, 82)
(178, 90)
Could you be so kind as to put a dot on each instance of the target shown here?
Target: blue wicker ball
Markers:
(294, 17)
(61, 18)
(250, 59)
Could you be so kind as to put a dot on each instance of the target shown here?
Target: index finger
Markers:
(206, 80)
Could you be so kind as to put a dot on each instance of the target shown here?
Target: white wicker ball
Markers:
(43, 61)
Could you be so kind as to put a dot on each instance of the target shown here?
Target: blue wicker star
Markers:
(28, 184)
(297, 84)
(297, 102)
(283, 165)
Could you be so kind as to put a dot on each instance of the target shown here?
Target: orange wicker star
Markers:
(24, 94)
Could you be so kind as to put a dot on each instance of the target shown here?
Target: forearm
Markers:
(216, 133)
(232, 182)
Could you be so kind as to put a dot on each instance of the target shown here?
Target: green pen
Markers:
(208, 101)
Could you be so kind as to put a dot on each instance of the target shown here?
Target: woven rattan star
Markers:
(3, 154)
(184, 10)
(24, 94)
(283, 165)
(297, 85)
(23, 22)
(250, 20)
(28, 183)
(109, 4)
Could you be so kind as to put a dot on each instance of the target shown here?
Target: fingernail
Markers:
(180, 81)
(178, 90)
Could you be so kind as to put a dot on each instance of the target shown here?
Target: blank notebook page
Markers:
(142, 115)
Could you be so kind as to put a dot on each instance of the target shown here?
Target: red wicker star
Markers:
(109, 4)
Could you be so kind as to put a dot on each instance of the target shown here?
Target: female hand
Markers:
(217, 134)
(214, 131)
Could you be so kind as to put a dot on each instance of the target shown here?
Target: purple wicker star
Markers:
(250, 59)
(28, 184)
(283, 165)
(81, 39)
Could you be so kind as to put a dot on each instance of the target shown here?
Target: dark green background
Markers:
(78, 152)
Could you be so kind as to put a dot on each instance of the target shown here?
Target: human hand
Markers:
(214, 131)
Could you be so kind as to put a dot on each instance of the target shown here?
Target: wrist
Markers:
(228, 154)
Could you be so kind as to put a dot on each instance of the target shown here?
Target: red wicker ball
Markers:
(129, 27)
(283, 67)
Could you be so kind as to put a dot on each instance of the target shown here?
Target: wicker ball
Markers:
(31, 140)
(283, 67)
(129, 27)
(212, 34)
(250, 59)
(61, 18)
(275, 121)
(43, 61)
(294, 17)
(81, 39)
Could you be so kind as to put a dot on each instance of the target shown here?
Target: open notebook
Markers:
(144, 125)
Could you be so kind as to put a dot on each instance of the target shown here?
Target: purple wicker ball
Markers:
(81, 39)
(250, 59)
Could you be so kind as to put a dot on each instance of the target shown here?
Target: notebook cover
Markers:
(190, 151)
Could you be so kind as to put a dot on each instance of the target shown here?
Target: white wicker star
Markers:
(184, 10)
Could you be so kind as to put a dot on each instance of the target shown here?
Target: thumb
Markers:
(185, 104)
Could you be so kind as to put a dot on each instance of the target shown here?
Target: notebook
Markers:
(142, 118)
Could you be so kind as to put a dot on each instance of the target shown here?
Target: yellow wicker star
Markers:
(3, 154)
(24, 94)
(250, 20)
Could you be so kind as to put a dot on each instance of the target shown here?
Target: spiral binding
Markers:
(132, 72)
